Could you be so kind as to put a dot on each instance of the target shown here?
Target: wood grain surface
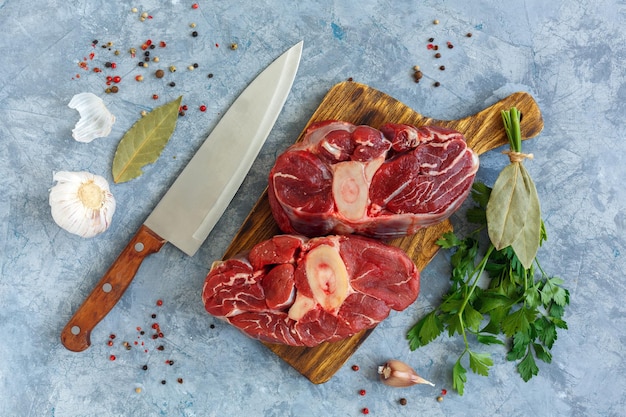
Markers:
(360, 104)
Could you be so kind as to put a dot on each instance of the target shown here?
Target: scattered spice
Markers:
(139, 77)
(431, 39)
(234, 46)
(450, 46)
(112, 357)
(437, 84)
(355, 368)
(194, 34)
(203, 108)
(362, 392)
(163, 382)
(436, 21)
(402, 401)
(437, 55)
(159, 303)
(442, 67)
(138, 390)
(159, 73)
(155, 96)
(194, 6)
(180, 380)
(469, 34)
(145, 367)
(365, 410)
(210, 75)
(439, 398)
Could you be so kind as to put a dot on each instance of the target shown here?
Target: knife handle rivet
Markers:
(75, 330)
(138, 247)
(107, 287)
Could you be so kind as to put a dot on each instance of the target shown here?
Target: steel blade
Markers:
(199, 196)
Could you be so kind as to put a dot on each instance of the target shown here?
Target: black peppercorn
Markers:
(194, 33)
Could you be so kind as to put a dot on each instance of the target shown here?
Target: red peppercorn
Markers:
(159, 303)
(112, 357)
(184, 107)
(113, 65)
(117, 79)
(162, 44)
(110, 343)
(203, 108)
(112, 336)
(355, 368)
(365, 410)
(155, 96)
(444, 391)
(194, 6)
(155, 326)
(362, 392)
(149, 42)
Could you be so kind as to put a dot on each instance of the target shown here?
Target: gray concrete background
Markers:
(568, 55)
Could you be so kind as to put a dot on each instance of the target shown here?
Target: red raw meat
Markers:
(386, 183)
(301, 292)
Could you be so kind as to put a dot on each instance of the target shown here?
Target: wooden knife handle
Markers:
(77, 333)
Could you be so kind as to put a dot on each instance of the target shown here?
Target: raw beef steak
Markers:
(342, 179)
(300, 292)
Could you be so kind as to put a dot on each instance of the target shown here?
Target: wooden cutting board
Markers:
(360, 104)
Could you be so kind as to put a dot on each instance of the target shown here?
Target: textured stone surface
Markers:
(568, 55)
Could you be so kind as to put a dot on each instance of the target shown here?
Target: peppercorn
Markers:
(115, 89)
(355, 368)
(191, 68)
(442, 68)
(365, 410)
(403, 401)
(195, 65)
(138, 390)
(107, 64)
(145, 367)
(210, 75)
(161, 347)
(194, 33)
(159, 74)
(192, 25)
(172, 69)
(436, 47)
(139, 78)
(234, 46)
(439, 398)
(469, 34)
(450, 46)
(163, 382)
(431, 39)
(154, 315)
(437, 84)
(152, 46)
(362, 392)
(147, 59)
(180, 380)
(147, 53)
(95, 41)
(203, 108)
(437, 55)
(172, 84)
(155, 59)
(436, 21)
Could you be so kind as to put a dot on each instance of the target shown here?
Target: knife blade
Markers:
(194, 203)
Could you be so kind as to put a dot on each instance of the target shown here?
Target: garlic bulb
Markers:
(95, 119)
(81, 203)
(398, 374)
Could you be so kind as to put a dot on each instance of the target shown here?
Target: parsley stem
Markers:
(476, 274)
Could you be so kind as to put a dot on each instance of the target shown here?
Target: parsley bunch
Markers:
(493, 299)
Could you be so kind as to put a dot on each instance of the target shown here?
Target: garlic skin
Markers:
(81, 203)
(398, 374)
(95, 119)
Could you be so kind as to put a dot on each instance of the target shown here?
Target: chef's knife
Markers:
(197, 199)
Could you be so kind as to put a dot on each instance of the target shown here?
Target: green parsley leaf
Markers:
(459, 377)
(527, 367)
(487, 339)
(425, 331)
(541, 353)
(480, 363)
(518, 321)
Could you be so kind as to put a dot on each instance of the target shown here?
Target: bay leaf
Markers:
(527, 243)
(506, 209)
(143, 143)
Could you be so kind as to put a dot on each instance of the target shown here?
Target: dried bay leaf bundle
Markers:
(513, 210)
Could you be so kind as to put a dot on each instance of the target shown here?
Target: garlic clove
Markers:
(95, 119)
(398, 374)
(81, 203)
